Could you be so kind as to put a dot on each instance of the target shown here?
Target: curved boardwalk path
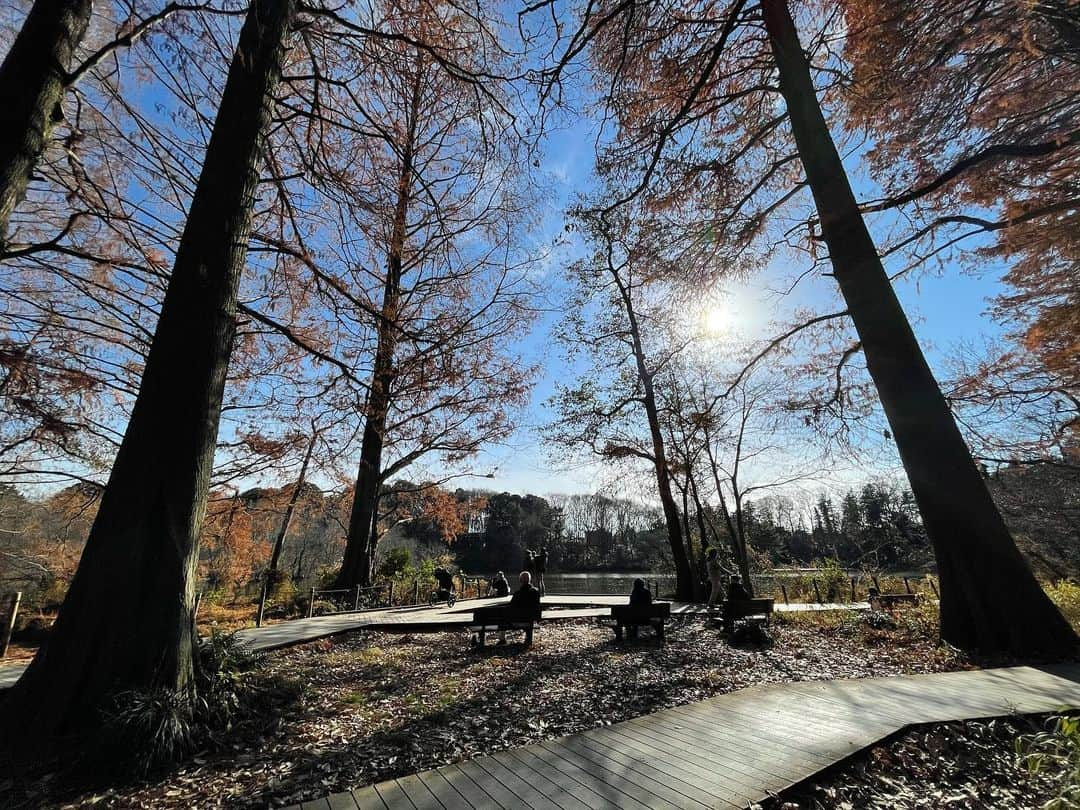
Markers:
(427, 619)
(724, 752)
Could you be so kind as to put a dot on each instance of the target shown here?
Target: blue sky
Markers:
(946, 306)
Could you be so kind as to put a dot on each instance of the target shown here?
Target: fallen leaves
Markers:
(380, 705)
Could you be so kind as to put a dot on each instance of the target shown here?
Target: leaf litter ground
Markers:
(379, 705)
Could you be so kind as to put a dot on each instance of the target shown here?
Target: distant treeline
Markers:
(875, 526)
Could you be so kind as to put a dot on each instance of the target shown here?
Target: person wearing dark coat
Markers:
(525, 599)
(640, 595)
(445, 580)
(540, 566)
(499, 585)
(736, 592)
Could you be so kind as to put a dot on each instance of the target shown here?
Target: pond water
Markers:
(603, 582)
(613, 582)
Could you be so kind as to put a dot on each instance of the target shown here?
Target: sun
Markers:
(715, 319)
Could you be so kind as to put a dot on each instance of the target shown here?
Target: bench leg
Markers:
(528, 636)
(483, 633)
(618, 632)
(660, 630)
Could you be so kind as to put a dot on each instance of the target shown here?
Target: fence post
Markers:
(853, 589)
(783, 590)
(9, 625)
(817, 592)
(907, 585)
(311, 604)
(262, 601)
(416, 591)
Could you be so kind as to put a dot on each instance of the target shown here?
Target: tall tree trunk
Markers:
(127, 619)
(990, 600)
(270, 577)
(684, 579)
(736, 529)
(358, 566)
(32, 81)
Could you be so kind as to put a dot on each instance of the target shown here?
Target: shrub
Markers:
(396, 564)
(834, 580)
(152, 729)
(1056, 753)
(1066, 596)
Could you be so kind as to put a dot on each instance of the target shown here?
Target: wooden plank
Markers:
(646, 791)
(735, 774)
(475, 795)
(522, 782)
(571, 786)
(418, 793)
(317, 804)
(552, 794)
(756, 727)
(621, 795)
(735, 748)
(344, 801)
(660, 783)
(442, 790)
(500, 794)
(392, 794)
(764, 732)
(692, 770)
(367, 798)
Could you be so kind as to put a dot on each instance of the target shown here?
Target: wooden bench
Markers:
(635, 616)
(888, 601)
(504, 617)
(752, 609)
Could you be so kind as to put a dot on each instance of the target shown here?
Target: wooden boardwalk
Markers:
(427, 619)
(724, 752)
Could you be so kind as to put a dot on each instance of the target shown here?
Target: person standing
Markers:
(541, 566)
(716, 574)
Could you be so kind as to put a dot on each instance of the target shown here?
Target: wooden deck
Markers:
(427, 619)
(723, 752)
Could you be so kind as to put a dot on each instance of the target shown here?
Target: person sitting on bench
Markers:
(736, 592)
(640, 595)
(499, 585)
(526, 599)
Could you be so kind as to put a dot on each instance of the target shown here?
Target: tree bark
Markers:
(270, 577)
(684, 578)
(32, 81)
(358, 565)
(990, 600)
(126, 622)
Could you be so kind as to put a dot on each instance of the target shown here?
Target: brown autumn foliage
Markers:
(972, 107)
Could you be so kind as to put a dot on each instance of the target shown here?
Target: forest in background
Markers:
(875, 528)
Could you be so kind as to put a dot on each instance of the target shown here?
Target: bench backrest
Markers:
(505, 613)
(657, 610)
(741, 608)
